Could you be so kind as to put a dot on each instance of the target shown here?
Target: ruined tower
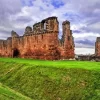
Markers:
(40, 42)
(97, 47)
(67, 41)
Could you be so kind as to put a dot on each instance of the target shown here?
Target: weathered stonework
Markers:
(97, 47)
(41, 42)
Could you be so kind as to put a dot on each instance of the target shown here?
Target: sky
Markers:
(84, 17)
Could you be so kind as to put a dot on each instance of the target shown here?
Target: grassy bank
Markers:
(52, 80)
(9, 94)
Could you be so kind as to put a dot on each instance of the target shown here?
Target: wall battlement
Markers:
(47, 25)
(40, 42)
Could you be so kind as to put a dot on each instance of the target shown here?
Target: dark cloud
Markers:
(7, 8)
(90, 9)
(77, 31)
(4, 32)
(24, 19)
(86, 42)
(10, 6)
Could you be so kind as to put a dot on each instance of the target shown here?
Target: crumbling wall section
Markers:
(97, 47)
(66, 44)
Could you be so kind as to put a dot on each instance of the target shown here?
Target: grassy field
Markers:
(56, 64)
(51, 80)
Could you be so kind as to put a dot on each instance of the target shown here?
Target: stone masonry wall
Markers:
(41, 42)
(97, 47)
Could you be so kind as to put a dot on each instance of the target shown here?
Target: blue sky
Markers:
(83, 15)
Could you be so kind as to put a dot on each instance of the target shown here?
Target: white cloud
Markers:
(95, 26)
(78, 26)
(84, 35)
(84, 50)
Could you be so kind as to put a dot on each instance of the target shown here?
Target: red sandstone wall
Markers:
(97, 48)
(40, 45)
(5, 48)
(37, 46)
(67, 49)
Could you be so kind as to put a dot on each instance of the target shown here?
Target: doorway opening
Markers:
(16, 53)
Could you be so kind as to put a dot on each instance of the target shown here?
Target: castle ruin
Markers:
(40, 42)
(97, 47)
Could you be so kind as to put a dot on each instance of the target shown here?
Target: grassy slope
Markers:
(9, 94)
(52, 80)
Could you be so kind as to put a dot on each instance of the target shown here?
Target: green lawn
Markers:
(58, 64)
(52, 80)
